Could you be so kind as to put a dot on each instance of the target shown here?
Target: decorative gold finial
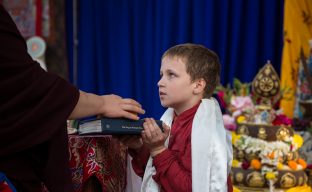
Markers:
(266, 83)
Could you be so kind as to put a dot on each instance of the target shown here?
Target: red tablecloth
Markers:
(99, 156)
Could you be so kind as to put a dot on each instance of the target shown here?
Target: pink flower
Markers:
(245, 165)
(309, 166)
(229, 122)
(282, 120)
(221, 99)
(241, 103)
(236, 113)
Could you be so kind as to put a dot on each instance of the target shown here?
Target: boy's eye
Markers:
(172, 75)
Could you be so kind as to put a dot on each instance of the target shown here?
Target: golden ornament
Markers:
(266, 83)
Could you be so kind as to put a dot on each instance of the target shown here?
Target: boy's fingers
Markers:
(147, 131)
(144, 136)
(156, 127)
(166, 129)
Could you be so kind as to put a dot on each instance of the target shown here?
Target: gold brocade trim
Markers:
(250, 189)
(288, 180)
(265, 132)
(255, 179)
(262, 133)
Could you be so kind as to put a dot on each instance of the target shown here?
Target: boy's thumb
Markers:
(166, 129)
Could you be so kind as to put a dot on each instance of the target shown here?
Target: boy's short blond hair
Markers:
(200, 62)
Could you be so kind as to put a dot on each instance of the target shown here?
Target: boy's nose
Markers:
(160, 83)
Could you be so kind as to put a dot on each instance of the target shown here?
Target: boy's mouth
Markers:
(162, 93)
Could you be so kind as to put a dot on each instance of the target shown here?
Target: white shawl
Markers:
(211, 151)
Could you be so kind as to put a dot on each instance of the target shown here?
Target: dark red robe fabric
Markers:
(173, 166)
(34, 106)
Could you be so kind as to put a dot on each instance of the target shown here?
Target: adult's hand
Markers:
(115, 106)
(106, 105)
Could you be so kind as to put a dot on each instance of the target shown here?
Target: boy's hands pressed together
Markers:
(153, 137)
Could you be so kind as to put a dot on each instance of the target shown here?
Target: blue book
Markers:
(112, 126)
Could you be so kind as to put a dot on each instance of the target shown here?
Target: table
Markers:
(97, 161)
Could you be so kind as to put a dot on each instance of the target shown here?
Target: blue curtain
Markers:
(121, 41)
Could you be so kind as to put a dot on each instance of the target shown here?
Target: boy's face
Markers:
(176, 89)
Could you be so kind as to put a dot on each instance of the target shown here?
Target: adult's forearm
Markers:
(88, 105)
(106, 105)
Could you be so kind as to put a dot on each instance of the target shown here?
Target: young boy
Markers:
(198, 153)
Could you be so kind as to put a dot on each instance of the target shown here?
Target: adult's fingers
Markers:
(132, 102)
(129, 115)
(132, 108)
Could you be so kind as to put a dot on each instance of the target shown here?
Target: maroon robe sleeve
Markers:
(34, 106)
(171, 176)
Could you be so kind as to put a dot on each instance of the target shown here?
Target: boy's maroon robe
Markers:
(174, 165)
(34, 106)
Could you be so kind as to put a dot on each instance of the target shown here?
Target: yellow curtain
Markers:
(297, 33)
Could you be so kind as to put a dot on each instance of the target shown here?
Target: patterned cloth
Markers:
(32, 17)
(99, 156)
(297, 33)
(303, 92)
(306, 150)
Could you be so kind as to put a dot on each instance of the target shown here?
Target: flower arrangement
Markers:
(243, 107)
(240, 105)
(271, 153)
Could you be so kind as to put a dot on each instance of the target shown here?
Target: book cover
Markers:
(112, 126)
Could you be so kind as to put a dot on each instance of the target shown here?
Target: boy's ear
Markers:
(199, 86)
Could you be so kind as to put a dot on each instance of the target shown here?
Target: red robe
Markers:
(173, 166)
(34, 106)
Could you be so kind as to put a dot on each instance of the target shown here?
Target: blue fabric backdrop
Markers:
(121, 41)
